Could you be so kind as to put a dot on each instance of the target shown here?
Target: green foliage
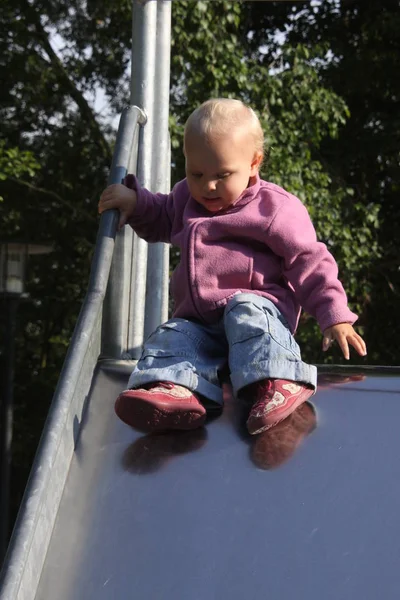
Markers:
(364, 49)
(15, 163)
(301, 115)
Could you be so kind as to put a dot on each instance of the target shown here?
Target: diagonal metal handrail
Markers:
(36, 518)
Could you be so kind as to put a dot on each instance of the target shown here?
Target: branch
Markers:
(73, 91)
(59, 199)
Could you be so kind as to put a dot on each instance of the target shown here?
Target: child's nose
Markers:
(211, 186)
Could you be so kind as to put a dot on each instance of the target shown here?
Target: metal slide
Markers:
(308, 510)
(213, 514)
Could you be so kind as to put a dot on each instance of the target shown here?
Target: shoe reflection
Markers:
(153, 451)
(274, 447)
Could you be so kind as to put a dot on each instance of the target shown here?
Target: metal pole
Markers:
(116, 303)
(158, 254)
(144, 27)
(6, 418)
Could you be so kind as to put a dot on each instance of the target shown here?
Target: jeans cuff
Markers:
(186, 378)
(291, 370)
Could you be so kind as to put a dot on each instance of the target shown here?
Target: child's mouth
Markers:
(211, 199)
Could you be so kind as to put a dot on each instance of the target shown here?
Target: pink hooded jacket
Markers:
(264, 244)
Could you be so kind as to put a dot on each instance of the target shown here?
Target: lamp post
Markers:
(13, 261)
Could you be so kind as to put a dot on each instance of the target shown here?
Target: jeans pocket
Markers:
(281, 334)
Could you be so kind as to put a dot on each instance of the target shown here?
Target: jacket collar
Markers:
(249, 193)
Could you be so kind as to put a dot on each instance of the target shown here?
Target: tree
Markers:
(363, 42)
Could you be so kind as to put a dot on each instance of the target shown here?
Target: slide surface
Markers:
(309, 512)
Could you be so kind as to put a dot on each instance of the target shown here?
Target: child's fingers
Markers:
(106, 194)
(111, 189)
(344, 334)
(107, 203)
(355, 341)
(108, 198)
(327, 342)
(358, 344)
(102, 206)
(344, 346)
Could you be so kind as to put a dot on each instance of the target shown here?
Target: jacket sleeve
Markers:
(154, 214)
(308, 265)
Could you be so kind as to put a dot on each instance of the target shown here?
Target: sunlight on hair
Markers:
(219, 115)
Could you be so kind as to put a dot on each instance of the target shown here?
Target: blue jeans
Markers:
(252, 339)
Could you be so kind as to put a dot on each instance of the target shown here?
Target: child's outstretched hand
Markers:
(121, 197)
(344, 334)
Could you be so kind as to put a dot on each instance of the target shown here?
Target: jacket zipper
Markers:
(190, 246)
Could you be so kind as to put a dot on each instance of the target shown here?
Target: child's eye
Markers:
(223, 175)
(197, 175)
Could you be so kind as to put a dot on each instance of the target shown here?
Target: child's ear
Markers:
(256, 162)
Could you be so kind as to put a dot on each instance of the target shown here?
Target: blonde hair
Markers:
(219, 115)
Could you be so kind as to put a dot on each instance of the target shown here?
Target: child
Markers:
(249, 261)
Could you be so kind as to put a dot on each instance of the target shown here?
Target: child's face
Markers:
(219, 169)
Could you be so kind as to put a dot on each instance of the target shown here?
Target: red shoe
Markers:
(275, 399)
(160, 406)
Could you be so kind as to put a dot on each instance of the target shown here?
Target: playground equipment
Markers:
(110, 514)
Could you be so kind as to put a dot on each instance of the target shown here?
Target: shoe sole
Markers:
(148, 416)
(288, 410)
